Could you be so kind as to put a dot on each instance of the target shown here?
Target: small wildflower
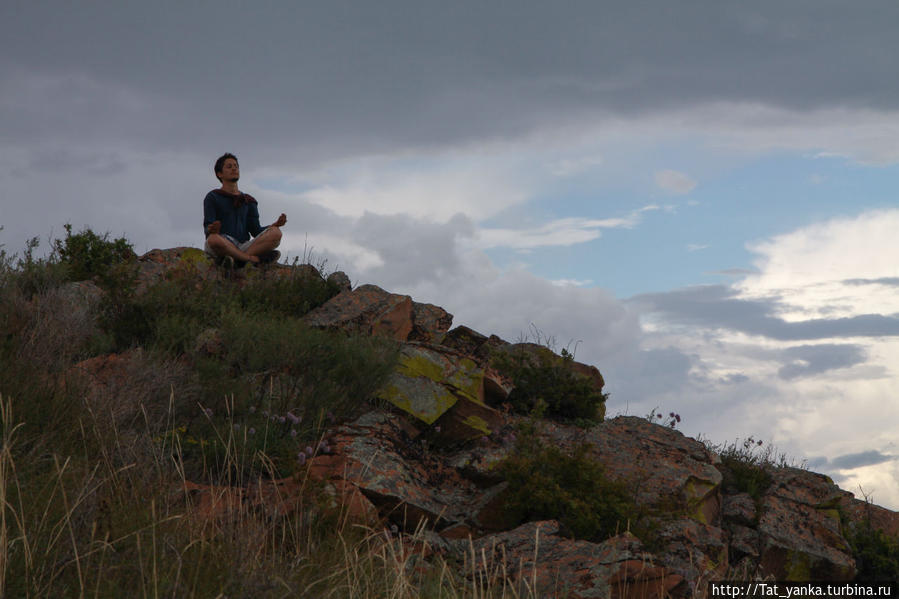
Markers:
(326, 448)
(282, 419)
(265, 413)
(437, 429)
(394, 528)
(292, 417)
(677, 417)
(309, 451)
(301, 458)
(671, 415)
(208, 412)
(293, 432)
(252, 431)
(252, 409)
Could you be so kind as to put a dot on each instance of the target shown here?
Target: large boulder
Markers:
(441, 388)
(694, 550)
(537, 557)
(859, 512)
(400, 475)
(800, 530)
(369, 310)
(666, 469)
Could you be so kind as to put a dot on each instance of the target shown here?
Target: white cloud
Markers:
(811, 266)
(560, 232)
(674, 182)
(572, 282)
(433, 188)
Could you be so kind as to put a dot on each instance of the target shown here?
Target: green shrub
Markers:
(545, 482)
(547, 383)
(876, 553)
(744, 467)
(283, 381)
(87, 255)
(170, 313)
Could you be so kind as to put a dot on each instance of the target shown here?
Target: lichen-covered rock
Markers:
(441, 388)
(859, 512)
(340, 280)
(696, 551)
(739, 508)
(666, 469)
(429, 323)
(399, 475)
(744, 542)
(800, 530)
(367, 310)
(473, 344)
(536, 352)
(536, 556)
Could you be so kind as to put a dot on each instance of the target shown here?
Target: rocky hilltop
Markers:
(429, 462)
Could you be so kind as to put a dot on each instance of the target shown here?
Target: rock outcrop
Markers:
(432, 459)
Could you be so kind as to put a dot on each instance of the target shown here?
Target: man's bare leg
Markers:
(266, 242)
(223, 247)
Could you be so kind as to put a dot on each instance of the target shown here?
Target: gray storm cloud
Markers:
(320, 79)
(717, 306)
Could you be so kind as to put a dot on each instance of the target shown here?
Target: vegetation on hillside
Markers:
(220, 382)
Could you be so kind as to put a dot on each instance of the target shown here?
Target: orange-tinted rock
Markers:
(367, 310)
(861, 512)
(370, 310)
(694, 550)
(667, 468)
(537, 553)
(214, 505)
(399, 475)
(430, 323)
(800, 530)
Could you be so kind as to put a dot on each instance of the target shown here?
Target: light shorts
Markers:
(243, 247)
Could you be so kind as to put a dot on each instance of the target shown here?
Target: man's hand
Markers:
(281, 220)
(214, 227)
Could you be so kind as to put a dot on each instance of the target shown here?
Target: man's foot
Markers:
(270, 257)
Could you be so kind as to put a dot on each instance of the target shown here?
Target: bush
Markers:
(283, 381)
(544, 482)
(547, 383)
(745, 467)
(87, 255)
(876, 553)
(170, 314)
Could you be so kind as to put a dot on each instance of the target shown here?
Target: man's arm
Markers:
(210, 216)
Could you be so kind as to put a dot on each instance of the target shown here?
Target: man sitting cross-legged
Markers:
(230, 217)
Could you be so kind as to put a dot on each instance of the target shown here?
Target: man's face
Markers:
(230, 171)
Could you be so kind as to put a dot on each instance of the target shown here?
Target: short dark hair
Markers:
(220, 163)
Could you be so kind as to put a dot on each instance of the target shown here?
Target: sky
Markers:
(697, 197)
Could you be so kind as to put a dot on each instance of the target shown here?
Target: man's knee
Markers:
(216, 241)
(275, 233)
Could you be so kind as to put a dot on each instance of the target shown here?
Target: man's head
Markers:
(227, 162)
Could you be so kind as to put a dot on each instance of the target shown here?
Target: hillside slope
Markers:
(170, 427)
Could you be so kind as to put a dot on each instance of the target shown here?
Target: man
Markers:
(230, 217)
